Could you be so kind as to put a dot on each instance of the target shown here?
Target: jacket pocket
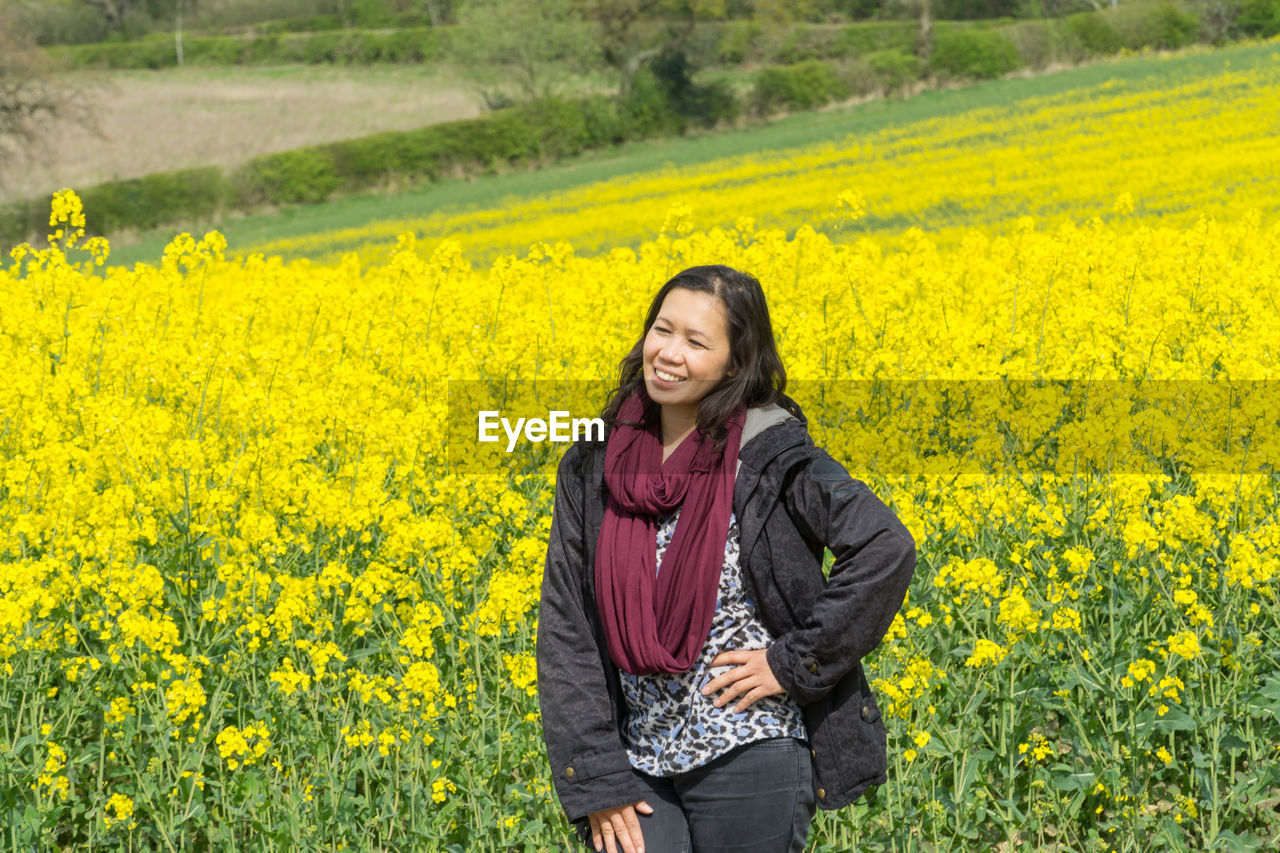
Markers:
(857, 732)
(870, 710)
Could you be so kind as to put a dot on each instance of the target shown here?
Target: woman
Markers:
(700, 683)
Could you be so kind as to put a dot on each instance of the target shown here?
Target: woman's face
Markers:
(686, 352)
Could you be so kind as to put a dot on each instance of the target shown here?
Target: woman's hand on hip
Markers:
(753, 677)
(619, 826)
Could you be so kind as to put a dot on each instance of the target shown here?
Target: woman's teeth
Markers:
(667, 377)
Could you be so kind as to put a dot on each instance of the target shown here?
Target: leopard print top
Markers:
(669, 726)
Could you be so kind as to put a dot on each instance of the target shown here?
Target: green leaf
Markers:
(1232, 742)
(1176, 720)
(1228, 840)
(1081, 781)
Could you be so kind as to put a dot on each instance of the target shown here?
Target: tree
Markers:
(31, 95)
(633, 32)
(923, 12)
(439, 12)
(113, 10)
(533, 44)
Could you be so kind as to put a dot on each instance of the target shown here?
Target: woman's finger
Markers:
(606, 829)
(740, 686)
(746, 701)
(597, 840)
(622, 831)
(633, 829)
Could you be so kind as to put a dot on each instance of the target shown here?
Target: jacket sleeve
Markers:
(875, 557)
(589, 763)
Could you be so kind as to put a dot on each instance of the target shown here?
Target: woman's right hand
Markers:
(619, 825)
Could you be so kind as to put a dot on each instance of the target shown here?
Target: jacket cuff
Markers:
(798, 673)
(582, 791)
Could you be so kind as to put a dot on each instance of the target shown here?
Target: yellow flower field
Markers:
(1204, 145)
(261, 588)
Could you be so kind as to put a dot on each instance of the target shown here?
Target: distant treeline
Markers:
(1032, 43)
(82, 22)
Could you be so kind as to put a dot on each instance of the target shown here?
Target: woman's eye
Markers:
(698, 344)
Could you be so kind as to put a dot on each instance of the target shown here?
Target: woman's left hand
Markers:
(753, 677)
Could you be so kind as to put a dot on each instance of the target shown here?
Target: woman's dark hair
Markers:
(758, 377)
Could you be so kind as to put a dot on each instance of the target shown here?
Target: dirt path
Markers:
(158, 121)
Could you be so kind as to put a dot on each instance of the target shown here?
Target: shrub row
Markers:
(1134, 25)
(346, 47)
(975, 52)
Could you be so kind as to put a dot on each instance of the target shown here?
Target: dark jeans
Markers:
(756, 798)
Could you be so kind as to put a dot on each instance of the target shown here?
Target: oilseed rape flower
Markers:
(243, 747)
(1139, 671)
(118, 810)
(986, 653)
(1184, 644)
(52, 777)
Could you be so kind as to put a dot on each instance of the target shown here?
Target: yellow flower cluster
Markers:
(243, 747)
(118, 810)
(52, 778)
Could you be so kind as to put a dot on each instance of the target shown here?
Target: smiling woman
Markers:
(700, 681)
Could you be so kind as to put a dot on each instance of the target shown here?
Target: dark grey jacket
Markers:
(791, 499)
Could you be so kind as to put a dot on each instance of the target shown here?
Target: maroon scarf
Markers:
(659, 621)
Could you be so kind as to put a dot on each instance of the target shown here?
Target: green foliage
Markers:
(645, 111)
(893, 69)
(1039, 43)
(802, 86)
(339, 47)
(1093, 34)
(155, 199)
(1157, 25)
(1134, 26)
(981, 54)
(871, 36)
(706, 105)
(290, 176)
(530, 44)
(736, 42)
(1259, 18)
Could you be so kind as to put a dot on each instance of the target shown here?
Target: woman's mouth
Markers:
(667, 377)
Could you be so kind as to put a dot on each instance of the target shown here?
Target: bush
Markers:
(152, 200)
(893, 69)
(969, 52)
(1159, 25)
(707, 105)
(290, 176)
(346, 47)
(1259, 18)
(872, 36)
(738, 42)
(807, 41)
(1090, 33)
(802, 86)
(1039, 43)
(645, 110)
(602, 121)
